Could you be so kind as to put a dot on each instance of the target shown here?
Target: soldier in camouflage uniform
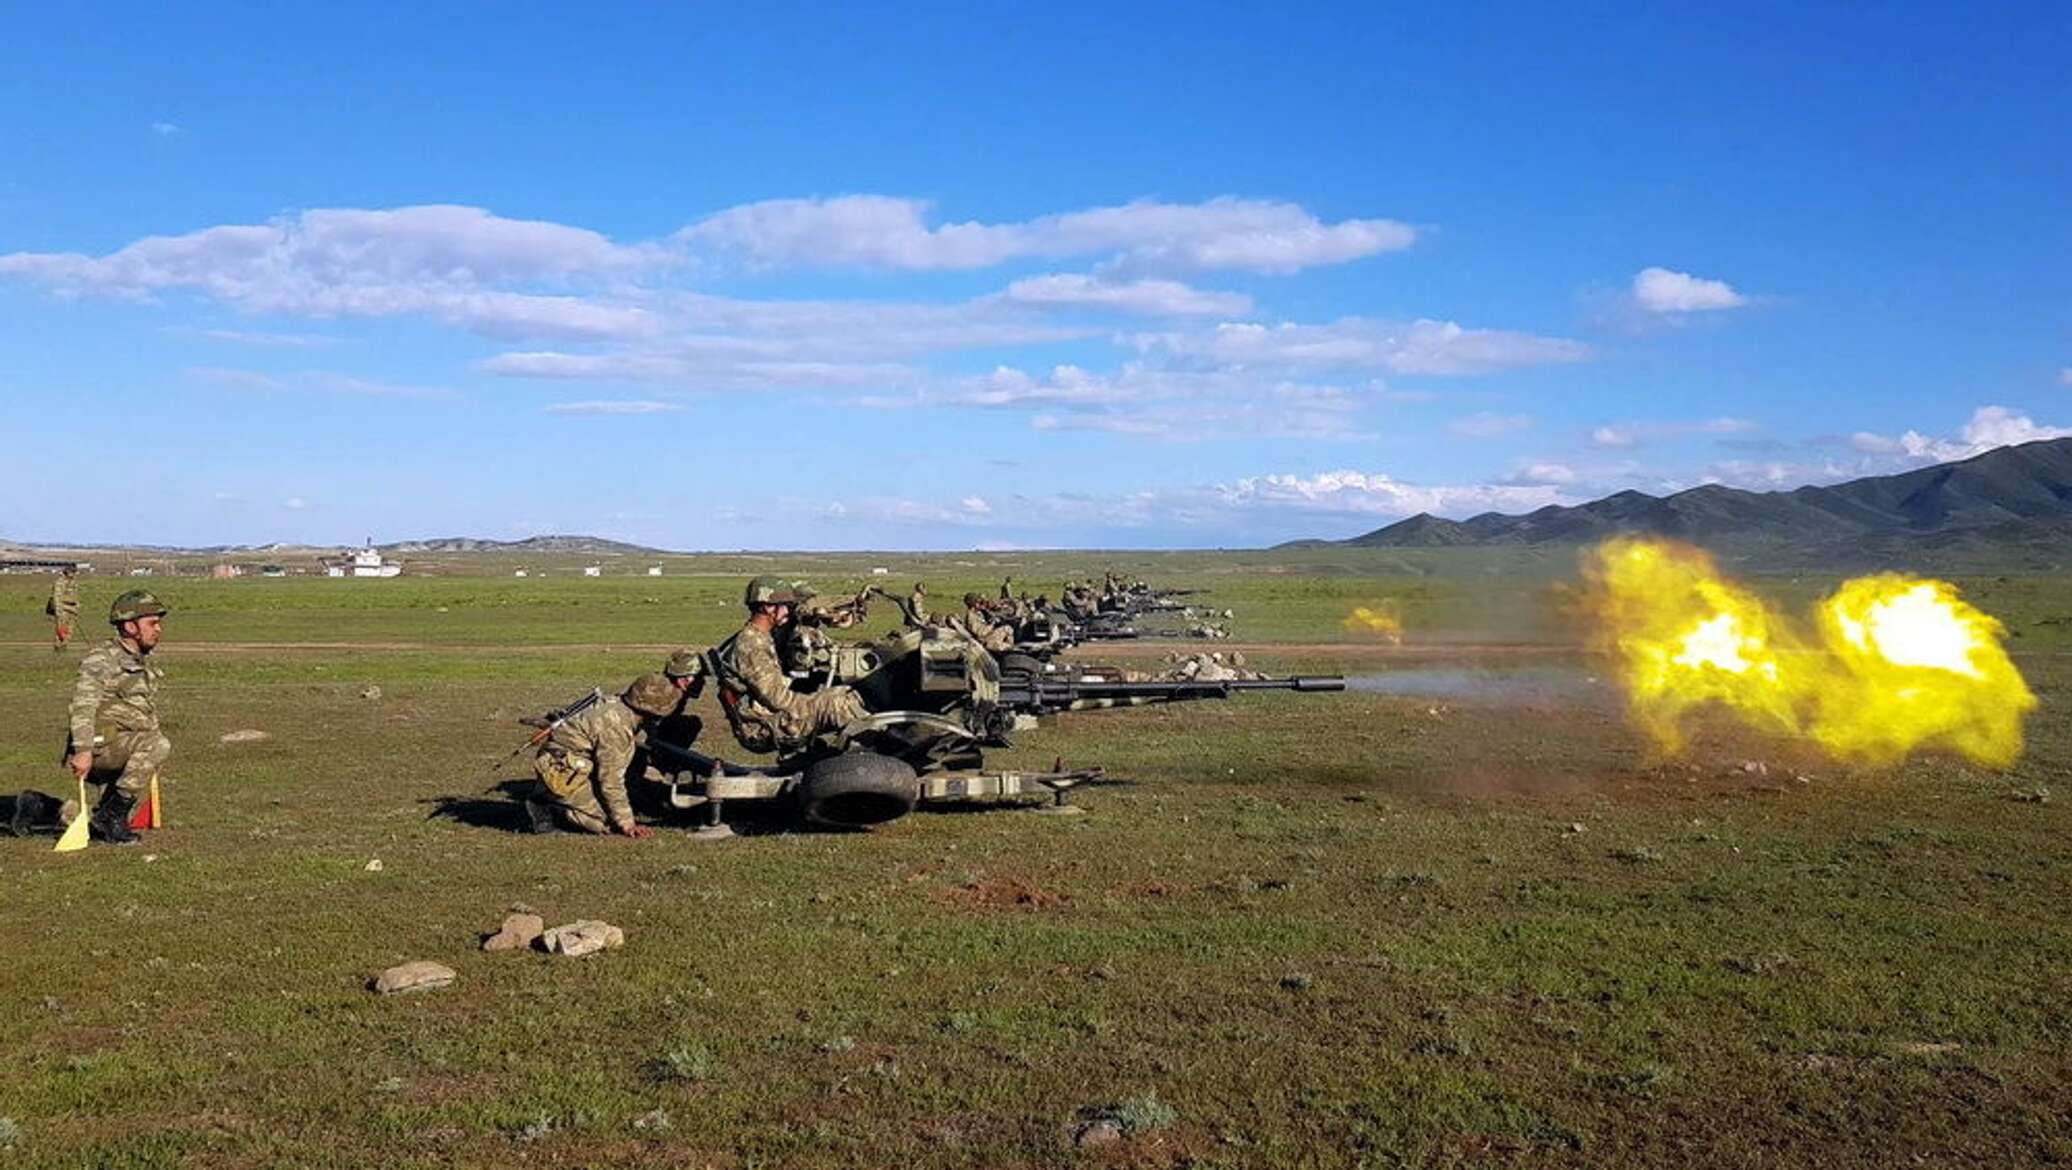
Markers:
(114, 742)
(766, 713)
(917, 605)
(978, 625)
(63, 607)
(582, 768)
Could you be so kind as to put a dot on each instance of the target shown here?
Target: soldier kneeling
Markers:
(582, 768)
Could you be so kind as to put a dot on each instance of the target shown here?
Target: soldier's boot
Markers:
(110, 821)
(32, 811)
(539, 817)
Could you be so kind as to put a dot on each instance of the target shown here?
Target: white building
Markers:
(654, 570)
(593, 571)
(365, 562)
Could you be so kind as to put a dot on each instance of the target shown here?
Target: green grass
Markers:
(1333, 931)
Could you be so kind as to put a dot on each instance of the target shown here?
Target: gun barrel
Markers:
(1030, 692)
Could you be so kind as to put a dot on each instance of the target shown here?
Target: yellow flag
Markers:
(74, 837)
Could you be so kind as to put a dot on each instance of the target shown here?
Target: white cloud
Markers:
(166, 129)
(1661, 290)
(265, 340)
(323, 380)
(879, 231)
(1489, 425)
(434, 261)
(295, 503)
(1150, 402)
(1989, 427)
(1417, 347)
(976, 505)
(597, 408)
(1625, 435)
(2065, 376)
(1152, 298)
(1542, 474)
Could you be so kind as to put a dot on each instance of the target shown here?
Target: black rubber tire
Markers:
(856, 790)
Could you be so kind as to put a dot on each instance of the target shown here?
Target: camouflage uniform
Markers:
(757, 696)
(63, 608)
(974, 624)
(583, 767)
(917, 601)
(115, 716)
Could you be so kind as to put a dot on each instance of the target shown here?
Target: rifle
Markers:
(548, 722)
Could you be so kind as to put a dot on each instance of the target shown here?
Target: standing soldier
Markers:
(114, 739)
(917, 604)
(582, 768)
(63, 607)
(754, 691)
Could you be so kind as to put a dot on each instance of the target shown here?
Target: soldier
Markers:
(114, 742)
(685, 671)
(766, 713)
(977, 625)
(582, 768)
(63, 607)
(917, 604)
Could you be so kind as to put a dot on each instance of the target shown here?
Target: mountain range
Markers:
(2020, 495)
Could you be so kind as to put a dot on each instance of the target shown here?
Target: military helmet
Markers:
(137, 603)
(684, 664)
(768, 590)
(651, 694)
(803, 591)
(973, 601)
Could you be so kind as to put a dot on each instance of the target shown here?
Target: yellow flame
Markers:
(1891, 665)
(1379, 619)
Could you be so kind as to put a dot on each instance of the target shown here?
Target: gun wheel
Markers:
(856, 790)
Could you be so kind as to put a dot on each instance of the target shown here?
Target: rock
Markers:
(371, 693)
(374, 866)
(657, 1120)
(423, 975)
(585, 937)
(1577, 827)
(244, 735)
(1095, 1134)
(520, 930)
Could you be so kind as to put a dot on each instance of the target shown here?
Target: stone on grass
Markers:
(374, 866)
(518, 932)
(422, 975)
(371, 693)
(585, 937)
(243, 735)
(1095, 1134)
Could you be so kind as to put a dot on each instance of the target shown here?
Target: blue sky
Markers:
(949, 277)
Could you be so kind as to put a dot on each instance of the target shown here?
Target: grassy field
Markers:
(1448, 928)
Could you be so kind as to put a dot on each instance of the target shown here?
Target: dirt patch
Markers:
(1007, 893)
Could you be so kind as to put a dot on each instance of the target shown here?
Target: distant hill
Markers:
(531, 544)
(2008, 496)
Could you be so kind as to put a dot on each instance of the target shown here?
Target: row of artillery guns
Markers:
(938, 702)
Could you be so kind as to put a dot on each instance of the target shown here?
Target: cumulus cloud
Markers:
(1489, 425)
(1542, 474)
(1662, 290)
(2065, 376)
(1989, 427)
(1151, 402)
(1151, 298)
(605, 408)
(880, 231)
(166, 129)
(1416, 347)
(265, 340)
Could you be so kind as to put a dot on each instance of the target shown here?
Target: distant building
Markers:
(880, 571)
(365, 562)
(593, 571)
(518, 573)
(654, 570)
(225, 572)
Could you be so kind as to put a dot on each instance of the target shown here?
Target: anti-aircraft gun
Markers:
(937, 702)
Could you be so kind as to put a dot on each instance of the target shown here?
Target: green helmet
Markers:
(651, 694)
(804, 591)
(768, 590)
(137, 603)
(974, 601)
(684, 664)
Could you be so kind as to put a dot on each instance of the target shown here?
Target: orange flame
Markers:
(1892, 664)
